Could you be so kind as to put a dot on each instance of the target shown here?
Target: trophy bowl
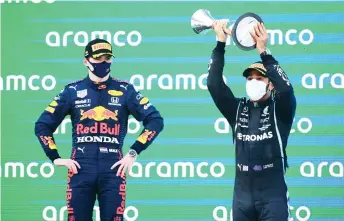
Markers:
(202, 23)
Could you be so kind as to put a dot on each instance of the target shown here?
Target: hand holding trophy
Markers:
(221, 29)
(202, 22)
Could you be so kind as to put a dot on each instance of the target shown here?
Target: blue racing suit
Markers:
(99, 114)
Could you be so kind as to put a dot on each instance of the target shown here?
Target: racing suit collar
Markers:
(261, 103)
(98, 85)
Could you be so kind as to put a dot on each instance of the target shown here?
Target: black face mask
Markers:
(101, 69)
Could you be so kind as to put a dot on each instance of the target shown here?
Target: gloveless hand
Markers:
(125, 163)
(69, 163)
(260, 36)
(221, 30)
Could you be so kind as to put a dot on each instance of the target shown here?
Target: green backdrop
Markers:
(41, 51)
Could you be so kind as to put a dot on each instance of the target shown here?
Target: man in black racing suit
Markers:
(260, 126)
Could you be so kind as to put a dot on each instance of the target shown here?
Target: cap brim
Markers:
(100, 54)
(248, 71)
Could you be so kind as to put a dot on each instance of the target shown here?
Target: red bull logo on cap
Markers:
(99, 114)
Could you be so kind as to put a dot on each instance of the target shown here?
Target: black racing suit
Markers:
(260, 134)
(99, 115)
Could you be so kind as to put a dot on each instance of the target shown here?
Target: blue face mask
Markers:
(101, 69)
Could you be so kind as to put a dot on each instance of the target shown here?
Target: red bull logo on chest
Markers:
(101, 128)
(99, 113)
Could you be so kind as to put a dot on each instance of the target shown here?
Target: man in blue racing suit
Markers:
(99, 107)
(261, 126)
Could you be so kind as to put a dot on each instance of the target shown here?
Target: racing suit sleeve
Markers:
(285, 97)
(222, 95)
(143, 111)
(48, 122)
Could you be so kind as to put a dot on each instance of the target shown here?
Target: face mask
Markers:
(100, 69)
(255, 89)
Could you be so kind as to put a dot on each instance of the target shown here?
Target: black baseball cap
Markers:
(97, 48)
(255, 66)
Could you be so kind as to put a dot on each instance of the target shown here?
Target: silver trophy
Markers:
(202, 22)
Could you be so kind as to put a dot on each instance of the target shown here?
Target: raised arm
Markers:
(222, 95)
(285, 97)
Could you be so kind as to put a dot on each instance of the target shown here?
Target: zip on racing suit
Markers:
(260, 133)
(99, 115)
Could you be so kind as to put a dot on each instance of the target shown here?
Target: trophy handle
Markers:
(231, 24)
